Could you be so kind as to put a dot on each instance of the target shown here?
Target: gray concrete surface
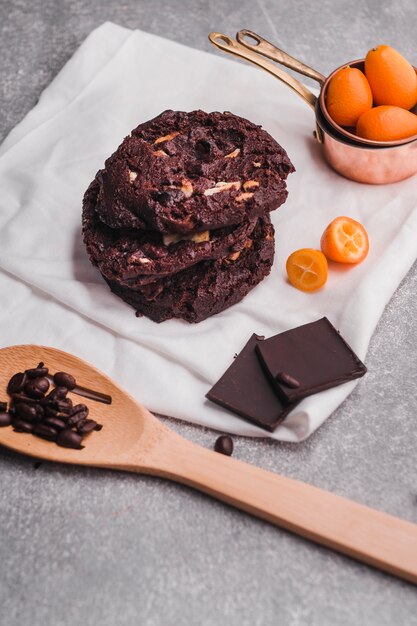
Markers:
(97, 548)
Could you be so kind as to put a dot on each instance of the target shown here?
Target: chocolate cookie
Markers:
(135, 257)
(185, 172)
(208, 287)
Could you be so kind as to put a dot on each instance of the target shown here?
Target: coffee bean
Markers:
(22, 397)
(65, 406)
(21, 426)
(69, 439)
(55, 422)
(86, 426)
(224, 445)
(62, 379)
(46, 432)
(16, 383)
(37, 387)
(5, 419)
(26, 412)
(80, 408)
(37, 372)
(62, 416)
(50, 416)
(59, 393)
(39, 411)
(50, 411)
(79, 412)
(52, 407)
(287, 380)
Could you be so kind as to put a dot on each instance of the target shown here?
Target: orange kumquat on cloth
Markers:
(307, 269)
(345, 241)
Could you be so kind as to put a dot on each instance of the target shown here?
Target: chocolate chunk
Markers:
(3, 407)
(224, 445)
(245, 390)
(315, 354)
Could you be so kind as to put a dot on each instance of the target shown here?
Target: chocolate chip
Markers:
(224, 445)
(62, 379)
(26, 412)
(5, 419)
(86, 426)
(287, 380)
(20, 426)
(46, 432)
(3, 406)
(69, 439)
(16, 383)
(37, 387)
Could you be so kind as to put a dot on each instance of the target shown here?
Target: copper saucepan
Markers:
(364, 161)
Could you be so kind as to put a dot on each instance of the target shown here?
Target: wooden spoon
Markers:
(133, 440)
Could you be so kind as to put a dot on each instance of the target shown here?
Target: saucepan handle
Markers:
(231, 46)
(267, 49)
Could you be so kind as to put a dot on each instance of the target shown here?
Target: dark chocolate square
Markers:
(245, 390)
(314, 355)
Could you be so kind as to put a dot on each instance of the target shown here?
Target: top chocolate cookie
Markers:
(183, 172)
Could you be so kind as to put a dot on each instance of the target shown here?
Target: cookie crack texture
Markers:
(181, 172)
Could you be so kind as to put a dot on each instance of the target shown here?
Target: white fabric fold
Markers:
(117, 79)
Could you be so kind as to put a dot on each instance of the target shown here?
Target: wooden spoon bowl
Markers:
(132, 439)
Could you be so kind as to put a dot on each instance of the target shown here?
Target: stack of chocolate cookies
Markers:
(178, 220)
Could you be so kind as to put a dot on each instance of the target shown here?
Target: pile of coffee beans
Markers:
(48, 413)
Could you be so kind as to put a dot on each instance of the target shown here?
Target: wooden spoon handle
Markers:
(376, 538)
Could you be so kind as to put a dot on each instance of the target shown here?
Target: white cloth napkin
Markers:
(117, 79)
